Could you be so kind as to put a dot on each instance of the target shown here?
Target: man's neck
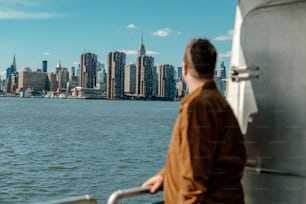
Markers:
(195, 83)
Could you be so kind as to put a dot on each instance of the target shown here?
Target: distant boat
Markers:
(63, 96)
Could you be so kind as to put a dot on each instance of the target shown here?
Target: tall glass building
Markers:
(166, 82)
(115, 74)
(220, 78)
(88, 70)
(44, 66)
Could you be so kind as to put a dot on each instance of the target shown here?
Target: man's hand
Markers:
(156, 183)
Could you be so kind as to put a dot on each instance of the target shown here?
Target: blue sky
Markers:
(54, 30)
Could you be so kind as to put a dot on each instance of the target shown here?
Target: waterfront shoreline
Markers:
(96, 98)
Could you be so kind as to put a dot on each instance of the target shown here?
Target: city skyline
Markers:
(60, 30)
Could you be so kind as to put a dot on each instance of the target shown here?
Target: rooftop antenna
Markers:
(141, 39)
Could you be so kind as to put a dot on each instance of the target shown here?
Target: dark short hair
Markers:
(201, 56)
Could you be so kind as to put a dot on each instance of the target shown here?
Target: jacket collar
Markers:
(209, 84)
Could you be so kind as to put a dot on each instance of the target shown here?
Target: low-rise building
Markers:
(37, 81)
(87, 93)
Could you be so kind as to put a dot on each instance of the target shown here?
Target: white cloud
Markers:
(225, 55)
(27, 3)
(134, 52)
(162, 32)
(20, 9)
(228, 36)
(131, 26)
(151, 52)
(129, 52)
(46, 53)
(12, 14)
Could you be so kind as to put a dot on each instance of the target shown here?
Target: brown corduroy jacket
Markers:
(206, 155)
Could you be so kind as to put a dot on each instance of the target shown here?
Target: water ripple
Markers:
(53, 149)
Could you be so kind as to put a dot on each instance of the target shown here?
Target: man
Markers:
(206, 155)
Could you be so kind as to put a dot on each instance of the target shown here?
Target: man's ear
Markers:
(184, 69)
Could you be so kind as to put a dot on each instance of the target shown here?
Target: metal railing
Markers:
(115, 196)
(85, 199)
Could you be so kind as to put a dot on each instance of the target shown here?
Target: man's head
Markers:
(200, 58)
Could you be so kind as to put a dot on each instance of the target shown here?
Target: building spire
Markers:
(14, 61)
(14, 64)
(141, 48)
(141, 41)
(59, 64)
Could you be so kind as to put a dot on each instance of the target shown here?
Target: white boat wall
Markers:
(267, 91)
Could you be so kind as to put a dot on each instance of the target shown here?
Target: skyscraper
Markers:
(166, 85)
(78, 70)
(130, 79)
(178, 72)
(115, 78)
(88, 70)
(63, 78)
(181, 88)
(11, 69)
(14, 82)
(45, 66)
(220, 78)
(11, 82)
(73, 80)
(58, 67)
(144, 73)
(101, 66)
(144, 76)
(155, 82)
(141, 49)
(14, 66)
(8, 72)
(52, 83)
(102, 81)
(72, 71)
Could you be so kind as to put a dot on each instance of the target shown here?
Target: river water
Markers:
(58, 148)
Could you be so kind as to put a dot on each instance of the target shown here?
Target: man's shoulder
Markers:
(210, 97)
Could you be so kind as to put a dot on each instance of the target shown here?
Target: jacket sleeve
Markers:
(162, 172)
(197, 147)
